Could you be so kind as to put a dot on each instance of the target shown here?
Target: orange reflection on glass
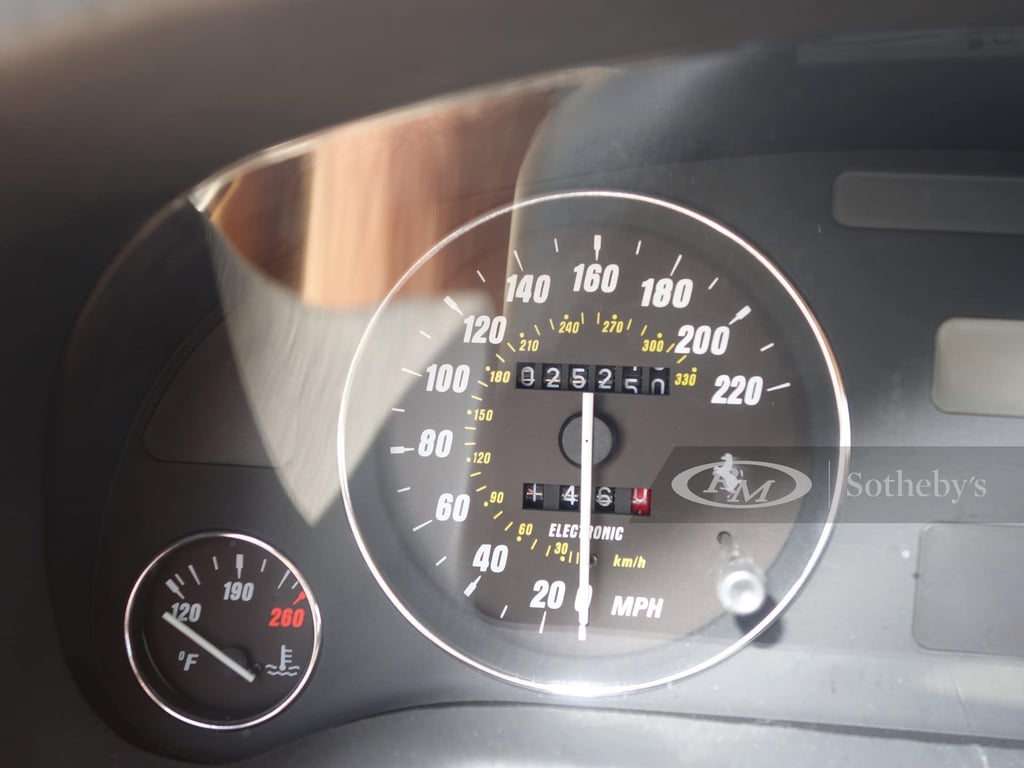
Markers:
(341, 222)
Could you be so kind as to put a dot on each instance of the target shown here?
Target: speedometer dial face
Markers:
(590, 443)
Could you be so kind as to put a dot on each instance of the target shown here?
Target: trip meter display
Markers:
(590, 443)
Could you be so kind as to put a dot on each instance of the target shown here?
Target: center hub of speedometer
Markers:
(570, 438)
(695, 402)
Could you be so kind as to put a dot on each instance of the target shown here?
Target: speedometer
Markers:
(591, 443)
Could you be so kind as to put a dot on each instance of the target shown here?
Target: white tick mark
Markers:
(741, 314)
(450, 302)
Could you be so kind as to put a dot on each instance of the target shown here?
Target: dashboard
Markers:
(663, 409)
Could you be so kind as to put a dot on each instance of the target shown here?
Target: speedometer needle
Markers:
(584, 593)
(209, 647)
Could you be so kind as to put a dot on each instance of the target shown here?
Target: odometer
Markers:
(590, 443)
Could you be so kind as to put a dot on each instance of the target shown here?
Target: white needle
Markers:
(583, 594)
(210, 648)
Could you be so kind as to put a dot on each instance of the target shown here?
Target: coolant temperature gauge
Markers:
(222, 631)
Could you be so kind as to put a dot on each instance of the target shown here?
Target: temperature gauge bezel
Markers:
(142, 666)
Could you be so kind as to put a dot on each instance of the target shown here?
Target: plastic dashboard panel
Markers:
(109, 114)
(843, 657)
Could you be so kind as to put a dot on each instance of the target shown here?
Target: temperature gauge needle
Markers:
(584, 593)
(209, 647)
